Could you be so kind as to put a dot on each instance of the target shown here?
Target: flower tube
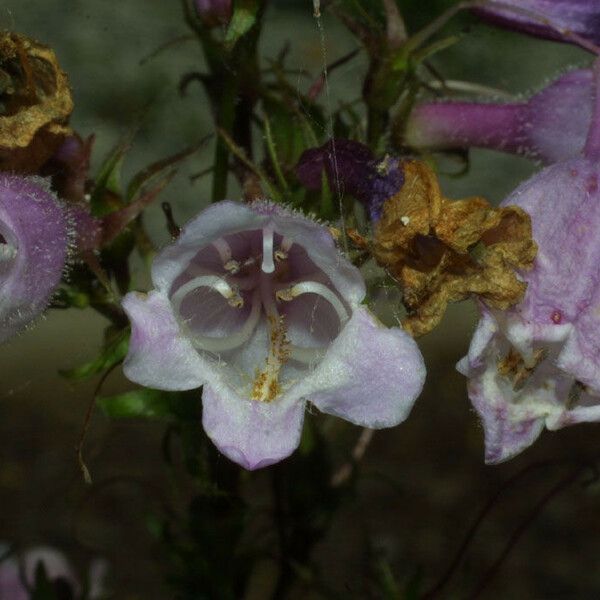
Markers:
(535, 128)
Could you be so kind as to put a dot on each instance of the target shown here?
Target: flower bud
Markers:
(549, 19)
(551, 126)
(214, 12)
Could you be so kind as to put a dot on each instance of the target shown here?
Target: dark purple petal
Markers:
(351, 169)
(550, 19)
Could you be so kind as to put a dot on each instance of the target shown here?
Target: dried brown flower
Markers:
(442, 250)
(35, 103)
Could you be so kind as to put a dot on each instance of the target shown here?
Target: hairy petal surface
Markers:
(371, 375)
(160, 356)
(250, 433)
(33, 250)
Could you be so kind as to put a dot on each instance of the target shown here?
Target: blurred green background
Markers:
(422, 483)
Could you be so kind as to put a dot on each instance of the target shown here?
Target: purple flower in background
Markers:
(214, 12)
(550, 19)
(255, 303)
(538, 364)
(18, 575)
(33, 250)
(351, 167)
(551, 126)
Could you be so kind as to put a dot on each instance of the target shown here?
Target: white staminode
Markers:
(7, 252)
(214, 282)
(314, 287)
(268, 265)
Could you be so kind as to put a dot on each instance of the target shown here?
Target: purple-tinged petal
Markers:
(69, 167)
(160, 356)
(256, 303)
(33, 249)
(252, 434)
(549, 19)
(371, 375)
(351, 168)
(17, 574)
(506, 435)
(538, 363)
(535, 128)
(88, 229)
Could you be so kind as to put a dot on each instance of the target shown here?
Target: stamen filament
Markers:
(229, 342)
(314, 287)
(212, 282)
(268, 265)
(223, 248)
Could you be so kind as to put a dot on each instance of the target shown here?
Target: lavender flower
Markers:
(352, 167)
(18, 574)
(256, 304)
(551, 126)
(33, 250)
(550, 19)
(538, 364)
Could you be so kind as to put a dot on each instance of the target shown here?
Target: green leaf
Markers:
(144, 402)
(113, 352)
(243, 18)
(150, 404)
(108, 180)
(157, 169)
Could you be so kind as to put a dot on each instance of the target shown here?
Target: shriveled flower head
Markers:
(33, 250)
(351, 167)
(574, 21)
(538, 364)
(551, 126)
(35, 103)
(256, 304)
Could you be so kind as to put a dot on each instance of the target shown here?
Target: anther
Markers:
(232, 266)
(7, 252)
(313, 287)
(218, 284)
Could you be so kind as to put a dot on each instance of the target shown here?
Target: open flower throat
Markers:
(255, 300)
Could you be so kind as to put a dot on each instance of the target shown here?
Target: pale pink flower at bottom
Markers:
(256, 304)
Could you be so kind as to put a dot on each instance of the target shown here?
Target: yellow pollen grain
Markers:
(266, 385)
